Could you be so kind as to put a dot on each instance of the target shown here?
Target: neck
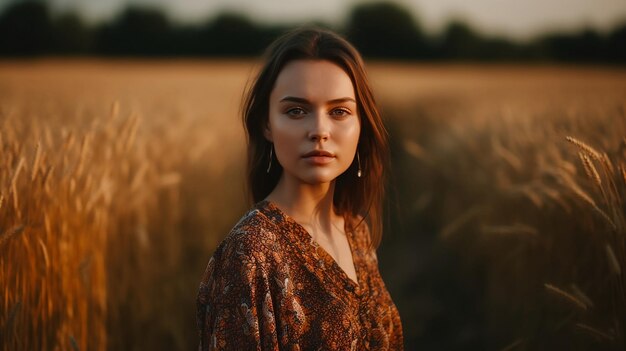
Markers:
(308, 204)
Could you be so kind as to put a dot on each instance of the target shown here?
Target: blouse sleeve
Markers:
(234, 304)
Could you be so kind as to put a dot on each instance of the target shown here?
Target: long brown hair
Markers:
(353, 195)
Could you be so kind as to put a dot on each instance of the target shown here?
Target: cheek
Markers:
(285, 139)
(350, 134)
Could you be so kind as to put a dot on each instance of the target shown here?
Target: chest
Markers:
(322, 317)
(338, 248)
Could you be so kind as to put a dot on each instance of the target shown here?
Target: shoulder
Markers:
(250, 240)
(247, 251)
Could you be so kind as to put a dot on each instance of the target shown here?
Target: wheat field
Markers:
(119, 178)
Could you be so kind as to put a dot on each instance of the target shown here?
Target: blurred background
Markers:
(122, 158)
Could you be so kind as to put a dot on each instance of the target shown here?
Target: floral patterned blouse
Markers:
(270, 286)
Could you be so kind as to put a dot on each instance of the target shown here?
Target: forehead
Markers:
(314, 80)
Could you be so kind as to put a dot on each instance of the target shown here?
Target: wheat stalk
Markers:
(566, 296)
(588, 149)
(460, 221)
(20, 165)
(46, 178)
(45, 252)
(10, 233)
(35, 161)
(591, 171)
(581, 295)
(139, 176)
(69, 140)
(595, 332)
(83, 152)
(16, 174)
(415, 150)
(115, 110)
(613, 262)
(132, 133)
(607, 162)
(586, 198)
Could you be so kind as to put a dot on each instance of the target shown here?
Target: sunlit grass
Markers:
(118, 179)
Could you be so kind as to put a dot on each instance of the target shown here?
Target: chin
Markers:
(319, 178)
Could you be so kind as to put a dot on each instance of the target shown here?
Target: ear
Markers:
(267, 133)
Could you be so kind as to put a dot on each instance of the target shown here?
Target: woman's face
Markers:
(313, 108)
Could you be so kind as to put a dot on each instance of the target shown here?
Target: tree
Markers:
(138, 31)
(460, 41)
(587, 45)
(71, 36)
(385, 30)
(26, 29)
(231, 34)
(616, 45)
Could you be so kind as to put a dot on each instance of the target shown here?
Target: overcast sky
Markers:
(513, 18)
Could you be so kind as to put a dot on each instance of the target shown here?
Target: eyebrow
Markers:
(305, 101)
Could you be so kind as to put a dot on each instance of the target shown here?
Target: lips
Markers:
(318, 153)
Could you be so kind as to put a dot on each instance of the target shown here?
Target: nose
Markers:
(320, 129)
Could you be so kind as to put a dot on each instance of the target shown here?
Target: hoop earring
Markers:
(270, 163)
(358, 159)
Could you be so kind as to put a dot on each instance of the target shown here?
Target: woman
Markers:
(299, 270)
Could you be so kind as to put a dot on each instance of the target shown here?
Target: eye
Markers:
(340, 112)
(296, 111)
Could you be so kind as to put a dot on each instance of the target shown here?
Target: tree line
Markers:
(379, 30)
